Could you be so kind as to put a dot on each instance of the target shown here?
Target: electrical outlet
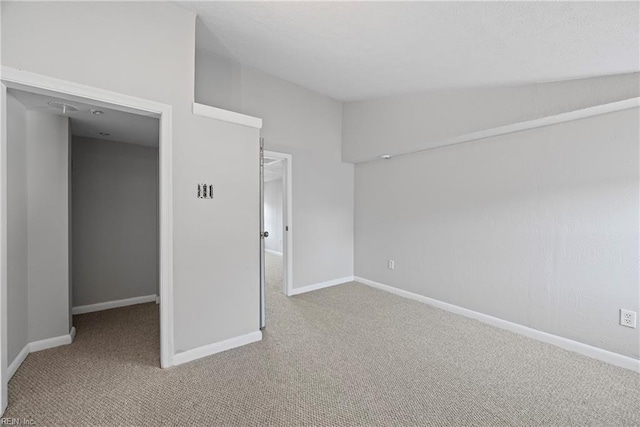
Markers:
(628, 318)
(392, 264)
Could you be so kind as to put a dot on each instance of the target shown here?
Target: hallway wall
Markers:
(273, 215)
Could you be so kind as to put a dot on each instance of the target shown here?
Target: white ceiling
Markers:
(121, 126)
(359, 50)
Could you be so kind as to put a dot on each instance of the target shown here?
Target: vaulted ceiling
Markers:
(359, 50)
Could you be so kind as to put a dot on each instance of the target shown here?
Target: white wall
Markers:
(47, 153)
(538, 228)
(308, 126)
(222, 263)
(17, 255)
(273, 215)
(151, 55)
(395, 124)
(115, 221)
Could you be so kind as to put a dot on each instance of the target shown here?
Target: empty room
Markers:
(319, 213)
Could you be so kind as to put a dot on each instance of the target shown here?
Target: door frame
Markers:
(11, 78)
(287, 218)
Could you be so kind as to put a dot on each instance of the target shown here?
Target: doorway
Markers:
(277, 225)
(66, 95)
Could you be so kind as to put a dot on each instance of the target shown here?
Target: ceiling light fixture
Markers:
(65, 107)
(385, 156)
(97, 112)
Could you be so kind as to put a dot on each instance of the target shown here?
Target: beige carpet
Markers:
(347, 355)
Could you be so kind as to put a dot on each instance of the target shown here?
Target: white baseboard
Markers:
(13, 367)
(157, 299)
(53, 342)
(218, 347)
(34, 346)
(82, 309)
(564, 343)
(272, 252)
(321, 285)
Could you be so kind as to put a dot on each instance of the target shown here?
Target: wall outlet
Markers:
(392, 264)
(628, 318)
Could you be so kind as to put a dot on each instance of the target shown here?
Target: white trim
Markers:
(564, 343)
(4, 379)
(157, 299)
(38, 346)
(45, 85)
(518, 127)
(218, 347)
(226, 115)
(32, 82)
(321, 285)
(287, 219)
(166, 238)
(272, 252)
(90, 308)
(52, 342)
(13, 367)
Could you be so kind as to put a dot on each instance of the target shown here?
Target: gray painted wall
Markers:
(394, 124)
(223, 261)
(273, 214)
(115, 221)
(308, 126)
(216, 293)
(539, 228)
(17, 254)
(47, 153)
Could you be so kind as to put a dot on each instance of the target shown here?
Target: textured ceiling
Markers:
(359, 50)
(121, 126)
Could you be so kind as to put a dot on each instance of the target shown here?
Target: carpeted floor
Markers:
(348, 355)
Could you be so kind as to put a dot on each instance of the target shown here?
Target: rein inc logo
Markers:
(5, 421)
